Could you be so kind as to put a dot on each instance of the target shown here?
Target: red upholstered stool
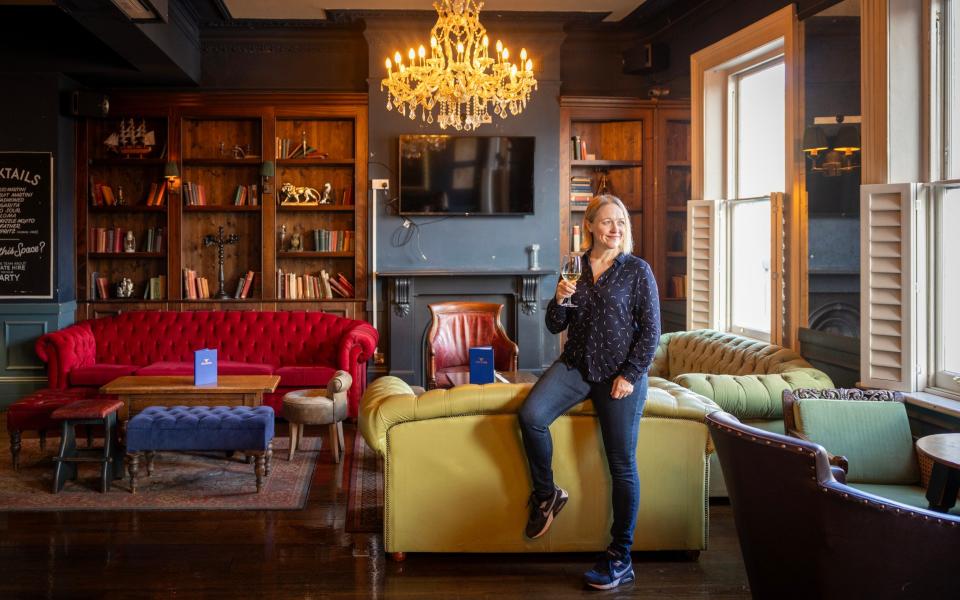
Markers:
(32, 413)
(91, 411)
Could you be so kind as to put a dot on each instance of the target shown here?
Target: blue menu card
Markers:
(481, 364)
(205, 366)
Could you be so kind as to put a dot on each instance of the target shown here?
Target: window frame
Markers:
(728, 268)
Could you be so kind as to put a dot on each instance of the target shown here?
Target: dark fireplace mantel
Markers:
(408, 318)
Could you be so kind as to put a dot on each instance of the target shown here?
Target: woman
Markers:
(613, 332)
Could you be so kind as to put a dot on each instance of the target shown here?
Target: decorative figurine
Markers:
(296, 243)
(326, 195)
(220, 242)
(283, 235)
(125, 288)
(120, 199)
(129, 242)
(304, 196)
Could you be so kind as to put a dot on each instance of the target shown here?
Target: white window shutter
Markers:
(777, 257)
(889, 271)
(703, 294)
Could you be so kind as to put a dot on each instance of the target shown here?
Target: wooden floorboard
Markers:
(306, 554)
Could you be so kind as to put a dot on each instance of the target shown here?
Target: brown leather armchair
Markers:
(803, 534)
(458, 326)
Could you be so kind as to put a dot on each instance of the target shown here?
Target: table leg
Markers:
(943, 487)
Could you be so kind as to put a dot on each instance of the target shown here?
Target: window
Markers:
(744, 122)
(758, 115)
(945, 202)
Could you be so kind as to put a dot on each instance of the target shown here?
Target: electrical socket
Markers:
(381, 184)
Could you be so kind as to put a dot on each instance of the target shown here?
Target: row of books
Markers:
(332, 241)
(581, 190)
(287, 148)
(578, 148)
(678, 286)
(321, 286)
(246, 195)
(102, 194)
(111, 240)
(198, 288)
(194, 194)
(156, 288)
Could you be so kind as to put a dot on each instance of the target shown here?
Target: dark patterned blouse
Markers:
(615, 327)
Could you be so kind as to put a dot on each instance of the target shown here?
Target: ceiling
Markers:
(316, 9)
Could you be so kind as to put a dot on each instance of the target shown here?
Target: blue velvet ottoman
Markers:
(245, 429)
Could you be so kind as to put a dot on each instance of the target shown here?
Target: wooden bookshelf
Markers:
(221, 141)
(672, 193)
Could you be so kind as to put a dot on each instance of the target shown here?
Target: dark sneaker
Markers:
(610, 571)
(543, 513)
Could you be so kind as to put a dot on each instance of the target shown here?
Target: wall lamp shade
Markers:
(814, 140)
(171, 171)
(848, 140)
(268, 169)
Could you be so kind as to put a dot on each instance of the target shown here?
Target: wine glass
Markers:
(570, 270)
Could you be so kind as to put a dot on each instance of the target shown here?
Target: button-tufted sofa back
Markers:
(709, 351)
(275, 338)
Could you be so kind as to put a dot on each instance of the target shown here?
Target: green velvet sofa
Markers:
(744, 377)
(456, 477)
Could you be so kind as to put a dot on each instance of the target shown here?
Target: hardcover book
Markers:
(205, 366)
(481, 364)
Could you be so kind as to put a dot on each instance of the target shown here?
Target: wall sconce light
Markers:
(267, 171)
(814, 140)
(171, 173)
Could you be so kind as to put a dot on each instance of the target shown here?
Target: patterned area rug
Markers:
(180, 481)
(365, 496)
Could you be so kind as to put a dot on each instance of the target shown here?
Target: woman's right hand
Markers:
(565, 289)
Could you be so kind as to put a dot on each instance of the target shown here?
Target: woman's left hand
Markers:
(621, 388)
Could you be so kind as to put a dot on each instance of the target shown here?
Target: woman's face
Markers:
(608, 227)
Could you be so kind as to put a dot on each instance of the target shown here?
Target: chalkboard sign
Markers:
(26, 225)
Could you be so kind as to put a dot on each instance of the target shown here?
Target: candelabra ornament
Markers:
(458, 76)
(220, 241)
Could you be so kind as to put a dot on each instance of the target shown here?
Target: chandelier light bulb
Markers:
(486, 42)
(506, 54)
(411, 54)
(389, 65)
(421, 52)
(397, 59)
(459, 47)
(513, 71)
(433, 41)
(530, 65)
(523, 54)
(499, 46)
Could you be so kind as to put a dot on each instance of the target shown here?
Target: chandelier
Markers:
(458, 76)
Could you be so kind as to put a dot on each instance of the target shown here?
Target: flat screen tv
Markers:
(466, 175)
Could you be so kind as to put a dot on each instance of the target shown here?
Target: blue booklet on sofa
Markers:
(205, 366)
(481, 364)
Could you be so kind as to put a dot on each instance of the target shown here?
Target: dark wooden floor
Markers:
(306, 554)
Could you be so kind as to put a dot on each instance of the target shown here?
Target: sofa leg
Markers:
(334, 442)
(268, 464)
(15, 449)
(398, 556)
(133, 466)
(150, 454)
(294, 431)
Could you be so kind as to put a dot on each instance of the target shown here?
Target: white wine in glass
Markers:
(570, 270)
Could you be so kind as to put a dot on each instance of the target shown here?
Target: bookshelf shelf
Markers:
(345, 208)
(315, 162)
(128, 209)
(222, 162)
(220, 208)
(609, 164)
(314, 254)
(198, 132)
(127, 255)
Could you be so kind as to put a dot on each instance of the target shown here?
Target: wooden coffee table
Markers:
(137, 393)
(510, 376)
(944, 450)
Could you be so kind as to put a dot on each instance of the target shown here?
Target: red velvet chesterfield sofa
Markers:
(303, 348)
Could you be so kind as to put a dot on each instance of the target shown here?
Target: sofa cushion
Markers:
(873, 436)
(224, 367)
(99, 374)
(304, 376)
(911, 495)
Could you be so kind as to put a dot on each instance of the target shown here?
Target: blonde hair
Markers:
(598, 202)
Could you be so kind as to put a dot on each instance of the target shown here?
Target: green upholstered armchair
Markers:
(866, 433)
(744, 377)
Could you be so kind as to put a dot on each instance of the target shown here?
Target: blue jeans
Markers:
(560, 389)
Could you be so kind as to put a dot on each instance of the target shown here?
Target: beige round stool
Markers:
(319, 407)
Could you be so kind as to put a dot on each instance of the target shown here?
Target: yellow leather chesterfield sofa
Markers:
(456, 477)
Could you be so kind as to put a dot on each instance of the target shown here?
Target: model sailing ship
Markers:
(132, 140)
